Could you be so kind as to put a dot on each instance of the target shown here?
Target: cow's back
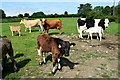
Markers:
(47, 43)
(54, 23)
(32, 23)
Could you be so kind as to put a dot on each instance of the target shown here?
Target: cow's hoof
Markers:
(53, 73)
(41, 63)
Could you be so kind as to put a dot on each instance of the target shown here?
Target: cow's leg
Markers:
(30, 30)
(97, 36)
(80, 34)
(100, 35)
(90, 35)
(40, 55)
(12, 33)
(45, 30)
(25, 29)
(44, 56)
(19, 33)
(40, 27)
(54, 57)
(60, 30)
(59, 66)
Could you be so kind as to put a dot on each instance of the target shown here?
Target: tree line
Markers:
(84, 10)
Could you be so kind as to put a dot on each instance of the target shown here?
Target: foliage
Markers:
(20, 15)
(37, 14)
(26, 15)
(84, 9)
(2, 14)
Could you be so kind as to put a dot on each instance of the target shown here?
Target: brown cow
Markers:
(46, 44)
(52, 24)
(6, 47)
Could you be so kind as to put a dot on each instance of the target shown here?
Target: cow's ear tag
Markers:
(59, 46)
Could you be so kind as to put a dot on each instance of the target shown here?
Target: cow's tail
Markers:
(78, 27)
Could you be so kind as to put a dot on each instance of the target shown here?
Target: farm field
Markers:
(90, 59)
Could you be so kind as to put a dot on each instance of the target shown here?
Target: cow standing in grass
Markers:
(52, 24)
(6, 47)
(15, 28)
(46, 43)
(31, 23)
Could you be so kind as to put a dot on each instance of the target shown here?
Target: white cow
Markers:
(92, 30)
(31, 23)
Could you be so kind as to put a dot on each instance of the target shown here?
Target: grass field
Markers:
(25, 46)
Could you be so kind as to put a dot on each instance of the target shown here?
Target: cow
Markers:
(6, 47)
(15, 28)
(52, 24)
(58, 47)
(83, 24)
(31, 23)
(98, 30)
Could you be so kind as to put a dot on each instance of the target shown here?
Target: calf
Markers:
(92, 30)
(46, 44)
(6, 47)
(52, 24)
(15, 28)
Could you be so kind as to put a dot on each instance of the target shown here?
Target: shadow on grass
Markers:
(19, 65)
(63, 62)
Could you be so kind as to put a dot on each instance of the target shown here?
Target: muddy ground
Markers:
(88, 58)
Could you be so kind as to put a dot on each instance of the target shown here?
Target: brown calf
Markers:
(46, 44)
(6, 47)
(52, 24)
(15, 28)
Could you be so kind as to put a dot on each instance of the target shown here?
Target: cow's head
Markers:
(22, 21)
(43, 21)
(106, 23)
(65, 47)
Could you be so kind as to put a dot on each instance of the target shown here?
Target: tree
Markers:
(107, 10)
(26, 15)
(84, 9)
(66, 13)
(38, 14)
(20, 15)
(98, 8)
(2, 14)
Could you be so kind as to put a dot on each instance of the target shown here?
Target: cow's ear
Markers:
(40, 19)
(72, 44)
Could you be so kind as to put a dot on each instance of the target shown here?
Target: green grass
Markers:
(25, 48)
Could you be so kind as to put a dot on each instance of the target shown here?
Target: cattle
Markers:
(46, 43)
(6, 48)
(31, 23)
(98, 30)
(15, 28)
(83, 24)
(52, 24)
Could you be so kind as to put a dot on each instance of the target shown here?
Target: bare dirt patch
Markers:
(88, 58)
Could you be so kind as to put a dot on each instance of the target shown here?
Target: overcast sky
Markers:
(15, 7)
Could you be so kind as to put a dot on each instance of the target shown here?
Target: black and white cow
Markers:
(84, 24)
